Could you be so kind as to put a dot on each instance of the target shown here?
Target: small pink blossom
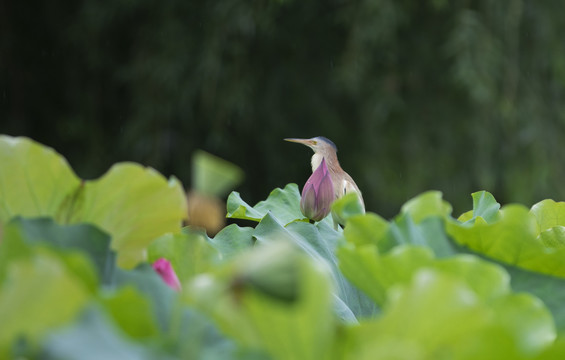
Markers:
(163, 267)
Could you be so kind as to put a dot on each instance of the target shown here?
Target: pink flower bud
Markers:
(318, 194)
(163, 267)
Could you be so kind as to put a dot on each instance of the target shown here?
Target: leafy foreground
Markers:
(76, 280)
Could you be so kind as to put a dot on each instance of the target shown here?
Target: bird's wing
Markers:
(349, 186)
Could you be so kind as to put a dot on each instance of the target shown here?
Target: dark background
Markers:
(450, 95)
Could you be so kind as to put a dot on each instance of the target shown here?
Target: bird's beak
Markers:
(307, 142)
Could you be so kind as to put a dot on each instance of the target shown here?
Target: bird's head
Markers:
(319, 144)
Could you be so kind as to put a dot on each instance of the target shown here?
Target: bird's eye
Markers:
(315, 142)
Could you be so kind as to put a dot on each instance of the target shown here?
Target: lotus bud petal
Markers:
(163, 267)
(318, 194)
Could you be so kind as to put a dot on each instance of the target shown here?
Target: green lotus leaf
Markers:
(377, 273)
(425, 205)
(135, 205)
(132, 203)
(484, 206)
(428, 232)
(34, 179)
(131, 311)
(71, 242)
(512, 239)
(549, 214)
(188, 252)
(37, 295)
(283, 204)
(273, 298)
(233, 240)
(95, 336)
(319, 242)
(346, 207)
(367, 229)
(437, 314)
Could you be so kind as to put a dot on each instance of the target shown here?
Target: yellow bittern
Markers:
(324, 148)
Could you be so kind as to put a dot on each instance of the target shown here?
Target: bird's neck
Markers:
(331, 161)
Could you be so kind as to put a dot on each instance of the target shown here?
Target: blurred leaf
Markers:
(233, 240)
(319, 242)
(261, 318)
(94, 337)
(146, 281)
(132, 203)
(368, 229)
(214, 176)
(511, 239)
(131, 311)
(466, 325)
(553, 238)
(31, 286)
(199, 338)
(34, 179)
(549, 214)
(426, 205)
(135, 205)
(346, 207)
(428, 232)
(550, 289)
(188, 252)
(68, 238)
(376, 273)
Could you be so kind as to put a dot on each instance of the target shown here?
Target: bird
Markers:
(324, 148)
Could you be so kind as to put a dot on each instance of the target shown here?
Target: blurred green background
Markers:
(450, 95)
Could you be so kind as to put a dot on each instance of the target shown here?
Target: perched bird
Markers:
(324, 148)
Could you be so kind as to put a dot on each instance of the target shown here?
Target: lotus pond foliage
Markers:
(106, 268)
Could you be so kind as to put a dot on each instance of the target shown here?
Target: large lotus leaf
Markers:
(188, 252)
(512, 239)
(283, 204)
(34, 179)
(319, 242)
(438, 315)
(199, 338)
(37, 295)
(132, 203)
(548, 288)
(272, 298)
(376, 273)
(426, 205)
(135, 205)
(131, 311)
(146, 281)
(368, 229)
(555, 351)
(484, 206)
(94, 337)
(429, 232)
(21, 233)
(233, 239)
(548, 214)
(346, 207)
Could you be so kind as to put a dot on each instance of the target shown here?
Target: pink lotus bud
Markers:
(163, 267)
(318, 194)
